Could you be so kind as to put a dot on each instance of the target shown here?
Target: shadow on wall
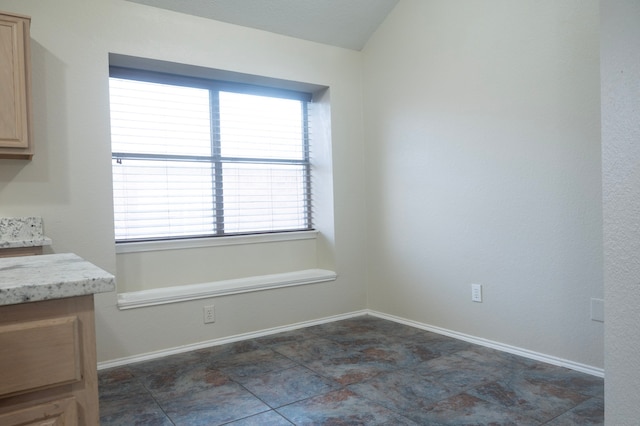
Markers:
(50, 137)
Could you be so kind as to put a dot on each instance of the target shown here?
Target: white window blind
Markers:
(196, 158)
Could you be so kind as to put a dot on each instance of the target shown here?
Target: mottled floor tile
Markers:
(308, 350)
(214, 406)
(341, 407)
(457, 373)
(353, 326)
(401, 391)
(167, 362)
(191, 392)
(285, 337)
(362, 325)
(252, 363)
(172, 381)
(360, 371)
(125, 401)
(589, 413)
(408, 354)
(286, 386)
(270, 418)
(226, 350)
(465, 409)
(495, 359)
(542, 401)
(114, 375)
(132, 412)
(366, 338)
(356, 366)
(390, 327)
(366, 330)
(564, 378)
(439, 344)
(117, 383)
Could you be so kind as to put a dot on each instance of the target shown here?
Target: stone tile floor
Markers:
(360, 371)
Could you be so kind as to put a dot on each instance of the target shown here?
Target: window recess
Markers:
(193, 157)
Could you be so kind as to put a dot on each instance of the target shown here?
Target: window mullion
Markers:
(216, 164)
(307, 162)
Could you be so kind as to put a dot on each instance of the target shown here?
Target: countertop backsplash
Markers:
(22, 232)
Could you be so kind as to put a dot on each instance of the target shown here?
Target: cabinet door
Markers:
(39, 354)
(14, 86)
(62, 412)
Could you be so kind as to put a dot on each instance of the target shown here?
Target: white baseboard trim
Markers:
(215, 342)
(594, 371)
(549, 359)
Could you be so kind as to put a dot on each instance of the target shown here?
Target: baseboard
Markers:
(594, 371)
(549, 359)
(215, 342)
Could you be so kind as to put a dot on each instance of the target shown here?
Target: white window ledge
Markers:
(178, 244)
(182, 293)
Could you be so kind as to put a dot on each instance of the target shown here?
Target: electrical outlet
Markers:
(476, 292)
(209, 314)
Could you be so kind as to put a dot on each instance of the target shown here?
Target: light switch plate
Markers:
(476, 292)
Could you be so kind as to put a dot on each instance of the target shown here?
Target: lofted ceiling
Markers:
(342, 23)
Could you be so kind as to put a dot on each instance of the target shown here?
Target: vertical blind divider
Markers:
(218, 188)
(307, 158)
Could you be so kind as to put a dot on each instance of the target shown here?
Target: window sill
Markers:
(161, 296)
(142, 246)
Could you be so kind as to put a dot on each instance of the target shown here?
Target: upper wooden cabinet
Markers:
(15, 87)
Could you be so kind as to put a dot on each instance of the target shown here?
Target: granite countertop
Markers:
(22, 232)
(52, 276)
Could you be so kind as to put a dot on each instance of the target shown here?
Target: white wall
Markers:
(482, 141)
(69, 180)
(620, 44)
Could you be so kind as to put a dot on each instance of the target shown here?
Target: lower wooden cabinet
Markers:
(48, 363)
(61, 412)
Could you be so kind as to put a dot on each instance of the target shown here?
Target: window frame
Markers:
(215, 86)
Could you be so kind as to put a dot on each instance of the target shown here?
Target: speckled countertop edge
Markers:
(44, 241)
(54, 276)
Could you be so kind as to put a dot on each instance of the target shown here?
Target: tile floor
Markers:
(360, 371)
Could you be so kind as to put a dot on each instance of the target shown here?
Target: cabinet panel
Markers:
(61, 412)
(39, 354)
(14, 87)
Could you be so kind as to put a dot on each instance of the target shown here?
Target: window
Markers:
(194, 157)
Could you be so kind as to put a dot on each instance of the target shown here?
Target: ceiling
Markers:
(342, 23)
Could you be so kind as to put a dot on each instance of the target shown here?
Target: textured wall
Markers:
(620, 44)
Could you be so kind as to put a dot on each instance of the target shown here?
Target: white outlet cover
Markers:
(209, 314)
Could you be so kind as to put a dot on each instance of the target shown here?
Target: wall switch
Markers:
(209, 314)
(476, 292)
(597, 310)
